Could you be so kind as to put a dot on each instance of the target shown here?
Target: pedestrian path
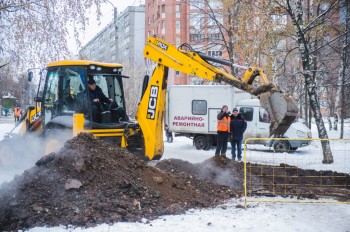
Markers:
(8, 119)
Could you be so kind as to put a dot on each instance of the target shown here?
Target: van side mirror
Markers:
(30, 76)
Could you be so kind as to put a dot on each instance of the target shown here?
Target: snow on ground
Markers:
(258, 216)
(5, 126)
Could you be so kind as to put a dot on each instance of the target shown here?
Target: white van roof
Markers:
(249, 102)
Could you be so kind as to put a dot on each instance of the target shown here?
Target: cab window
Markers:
(50, 101)
(264, 116)
(247, 113)
(73, 87)
(199, 107)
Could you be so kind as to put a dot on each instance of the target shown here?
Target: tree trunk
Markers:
(306, 108)
(310, 116)
(313, 99)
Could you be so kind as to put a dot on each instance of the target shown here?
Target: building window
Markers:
(177, 9)
(215, 4)
(177, 73)
(178, 26)
(163, 27)
(215, 53)
(199, 107)
(214, 36)
(126, 20)
(196, 37)
(196, 4)
(163, 11)
(197, 23)
(178, 41)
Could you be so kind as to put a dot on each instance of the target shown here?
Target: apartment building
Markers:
(168, 20)
(121, 41)
(180, 21)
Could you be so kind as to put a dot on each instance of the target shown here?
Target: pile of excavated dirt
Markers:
(283, 180)
(217, 170)
(89, 182)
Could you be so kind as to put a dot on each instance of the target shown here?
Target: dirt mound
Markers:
(282, 180)
(287, 180)
(89, 182)
(217, 170)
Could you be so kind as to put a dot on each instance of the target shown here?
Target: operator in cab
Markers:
(99, 102)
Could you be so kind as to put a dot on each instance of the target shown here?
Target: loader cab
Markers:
(67, 92)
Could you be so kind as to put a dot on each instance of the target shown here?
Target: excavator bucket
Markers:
(282, 110)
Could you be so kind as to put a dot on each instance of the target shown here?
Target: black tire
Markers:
(281, 146)
(201, 142)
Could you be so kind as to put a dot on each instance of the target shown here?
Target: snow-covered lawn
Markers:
(258, 216)
(5, 127)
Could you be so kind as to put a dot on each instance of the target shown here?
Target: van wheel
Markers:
(281, 146)
(202, 143)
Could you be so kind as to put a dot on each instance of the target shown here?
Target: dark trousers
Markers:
(236, 145)
(221, 145)
(169, 136)
(96, 110)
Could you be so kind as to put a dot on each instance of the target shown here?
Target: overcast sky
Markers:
(107, 16)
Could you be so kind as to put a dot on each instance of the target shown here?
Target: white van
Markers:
(258, 126)
(191, 111)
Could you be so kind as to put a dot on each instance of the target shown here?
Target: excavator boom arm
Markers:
(282, 109)
(196, 64)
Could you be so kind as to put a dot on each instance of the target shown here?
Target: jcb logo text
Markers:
(152, 103)
(162, 45)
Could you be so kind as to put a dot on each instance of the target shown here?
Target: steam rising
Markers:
(20, 154)
(225, 176)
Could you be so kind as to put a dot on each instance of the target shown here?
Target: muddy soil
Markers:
(283, 180)
(89, 182)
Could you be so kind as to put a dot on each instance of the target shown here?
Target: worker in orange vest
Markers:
(18, 113)
(223, 131)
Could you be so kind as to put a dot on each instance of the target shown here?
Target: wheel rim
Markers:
(201, 143)
(281, 147)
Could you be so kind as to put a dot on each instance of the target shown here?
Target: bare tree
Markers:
(35, 31)
(305, 28)
(344, 67)
(234, 29)
(133, 86)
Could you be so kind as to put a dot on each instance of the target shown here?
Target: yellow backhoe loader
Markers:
(64, 99)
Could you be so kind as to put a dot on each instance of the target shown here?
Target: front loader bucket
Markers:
(283, 111)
